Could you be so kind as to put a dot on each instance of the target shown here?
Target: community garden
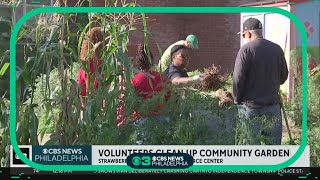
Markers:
(48, 108)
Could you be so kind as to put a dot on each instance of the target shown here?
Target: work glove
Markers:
(199, 77)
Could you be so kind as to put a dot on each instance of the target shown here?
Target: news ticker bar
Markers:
(295, 171)
(160, 157)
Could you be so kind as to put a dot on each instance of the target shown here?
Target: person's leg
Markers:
(141, 133)
(249, 127)
(273, 125)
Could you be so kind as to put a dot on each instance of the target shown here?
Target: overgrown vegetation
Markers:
(48, 102)
(314, 119)
(294, 106)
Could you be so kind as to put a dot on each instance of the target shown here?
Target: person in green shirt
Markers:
(191, 41)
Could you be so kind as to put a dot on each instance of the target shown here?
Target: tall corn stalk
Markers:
(4, 102)
(4, 121)
(56, 47)
(51, 94)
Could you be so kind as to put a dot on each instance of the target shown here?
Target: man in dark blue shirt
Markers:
(260, 68)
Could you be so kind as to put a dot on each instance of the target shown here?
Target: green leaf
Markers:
(21, 34)
(131, 4)
(109, 80)
(4, 69)
(72, 51)
(33, 125)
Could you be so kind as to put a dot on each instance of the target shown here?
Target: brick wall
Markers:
(217, 33)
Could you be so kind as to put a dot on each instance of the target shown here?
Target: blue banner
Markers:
(62, 155)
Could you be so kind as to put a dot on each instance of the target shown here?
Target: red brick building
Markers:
(217, 33)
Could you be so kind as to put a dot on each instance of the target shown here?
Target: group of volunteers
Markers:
(260, 68)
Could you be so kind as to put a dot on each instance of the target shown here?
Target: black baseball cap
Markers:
(176, 48)
(251, 24)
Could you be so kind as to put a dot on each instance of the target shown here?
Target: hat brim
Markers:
(248, 30)
(195, 46)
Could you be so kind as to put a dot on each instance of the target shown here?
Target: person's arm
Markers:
(177, 78)
(284, 68)
(83, 101)
(165, 59)
(239, 75)
(184, 80)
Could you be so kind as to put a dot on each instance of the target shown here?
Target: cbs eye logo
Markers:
(144, 161)
(15, 161)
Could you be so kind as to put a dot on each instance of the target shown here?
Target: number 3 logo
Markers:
(145, 161)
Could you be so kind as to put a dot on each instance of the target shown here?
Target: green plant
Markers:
(4, 102)
(313, 119)
(194, 73)
(4, 132)
(48, 78)
(48, 95)
(294, 106)
(252, 131)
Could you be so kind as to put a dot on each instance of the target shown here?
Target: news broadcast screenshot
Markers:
(149, 87)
